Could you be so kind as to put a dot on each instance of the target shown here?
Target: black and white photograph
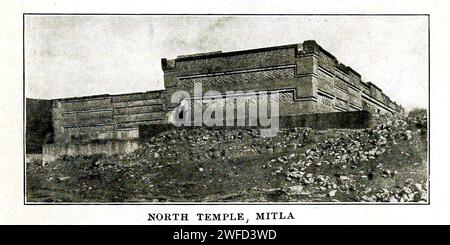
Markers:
(226, 109)
(202, 121)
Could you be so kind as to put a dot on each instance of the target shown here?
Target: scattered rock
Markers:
(63, 178)
(343, 178)
(332, 193)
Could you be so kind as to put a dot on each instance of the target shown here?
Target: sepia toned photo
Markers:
(229, 109)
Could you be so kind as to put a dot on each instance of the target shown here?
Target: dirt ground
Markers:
(384, 163)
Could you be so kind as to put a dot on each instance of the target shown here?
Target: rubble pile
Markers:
(385, 163)
(348, 163)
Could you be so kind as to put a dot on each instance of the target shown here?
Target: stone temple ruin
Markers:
(315, 90)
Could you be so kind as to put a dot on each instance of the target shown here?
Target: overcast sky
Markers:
(70, 56)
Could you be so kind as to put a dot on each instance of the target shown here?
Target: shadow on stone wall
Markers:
(350, 119)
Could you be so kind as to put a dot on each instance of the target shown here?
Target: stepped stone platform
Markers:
(314, 88)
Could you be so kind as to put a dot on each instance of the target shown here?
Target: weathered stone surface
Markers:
(98, 117)
(310, 80)
(321, 83)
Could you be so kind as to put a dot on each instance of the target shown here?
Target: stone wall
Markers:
(110, 147)
(266, 69)
(345, 91)
(105, 117)
(320, 83)
(315, 90)
(349, 119)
